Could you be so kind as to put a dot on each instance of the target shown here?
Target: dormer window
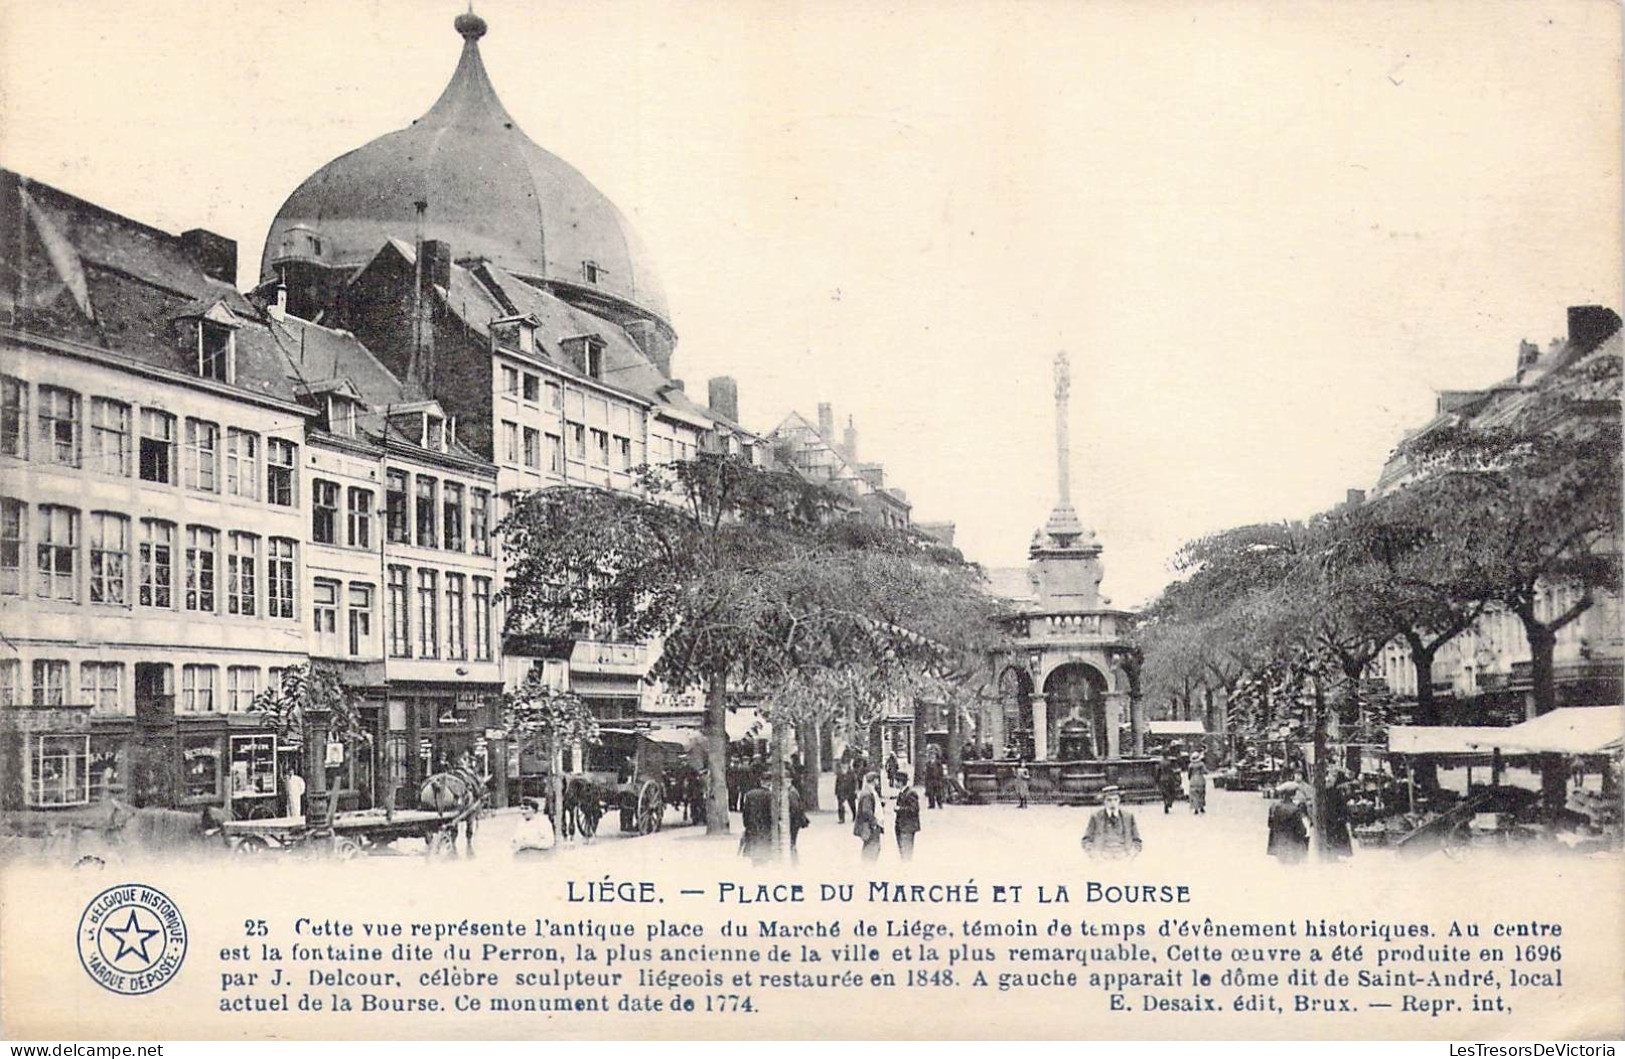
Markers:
(434, 433)
(341, 416)
(591, 272)
(586, 352)
(216, 351)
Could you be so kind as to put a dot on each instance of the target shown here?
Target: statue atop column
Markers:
(1064, 527)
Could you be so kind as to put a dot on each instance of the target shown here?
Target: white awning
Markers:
(1434, 739)
(1572, 730)
(1174, 728)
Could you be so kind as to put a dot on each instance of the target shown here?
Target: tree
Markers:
(309, 707)
(1530, 496)
(538, 715)
(676, 563)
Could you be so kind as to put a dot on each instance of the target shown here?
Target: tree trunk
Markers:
(779, 770)
(1321, 752)
(956, 742)
(555, 783)
(1542, 646)
(1427, 710)
(809, 735)
(716, 754)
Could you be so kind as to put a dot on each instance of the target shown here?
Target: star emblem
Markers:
(131, 938)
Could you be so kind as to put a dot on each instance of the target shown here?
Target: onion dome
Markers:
(490, 191)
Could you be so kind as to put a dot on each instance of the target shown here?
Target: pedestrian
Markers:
(1168, 782)
(1024, 784)
(534, 834)
(798, 814)
(936, 783)
(891, 769)
(294, 786)
(907, 819)
(1198, 785)
(1336, 837)
(846, 791)
(756, 813)
(866, 818)
(1112, 833)
(1289, 829)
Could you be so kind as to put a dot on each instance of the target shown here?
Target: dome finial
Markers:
(471, 26)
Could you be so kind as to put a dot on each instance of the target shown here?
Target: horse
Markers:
(461, 792)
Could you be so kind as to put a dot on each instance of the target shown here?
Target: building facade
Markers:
(507, 289)
(1483, 675)
(152, 567)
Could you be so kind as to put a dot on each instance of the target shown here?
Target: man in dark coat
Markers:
(1337, 838)
(907, 820)
(846, 791)
(1168, 782)
(757, 815)
(1289, 828)
(798, 814)
(936, 783)
(1112, 833)
(866, 820)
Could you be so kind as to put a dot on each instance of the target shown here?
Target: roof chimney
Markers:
(1590, 326)
(723, 397)
(214, 254)
(850, 444)
(436, 264)
(826, 422)
(279, 301)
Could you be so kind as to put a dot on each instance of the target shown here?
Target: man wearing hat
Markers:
(1112, 832)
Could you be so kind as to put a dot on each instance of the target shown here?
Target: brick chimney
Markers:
(436, 264)
(850, 443)
(723, 397)
(826, 422)
(214, 254)
(655, 343)
(1590, 326)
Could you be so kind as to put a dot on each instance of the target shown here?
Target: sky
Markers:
(1264, 233)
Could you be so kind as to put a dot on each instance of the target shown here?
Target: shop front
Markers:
(427, 728)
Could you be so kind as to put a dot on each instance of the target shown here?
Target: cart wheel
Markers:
(651, 808)
(250, 846)
(443, 843)
(261, 809)
(345, 849)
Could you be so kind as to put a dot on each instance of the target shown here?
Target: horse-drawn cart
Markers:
(349, 836)
(629, 771)
(448, 801)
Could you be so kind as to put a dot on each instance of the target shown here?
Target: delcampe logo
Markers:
(132, 939)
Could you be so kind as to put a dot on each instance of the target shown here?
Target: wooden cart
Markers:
(350, 835)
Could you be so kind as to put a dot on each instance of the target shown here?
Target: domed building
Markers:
(527, 328)
(467, 175)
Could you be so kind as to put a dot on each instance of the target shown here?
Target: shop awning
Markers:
(1572, 730)
(1435, 739)
(683, 737)
(1174, 728)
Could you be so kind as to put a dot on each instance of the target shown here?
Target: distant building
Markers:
(813, 451)
(1484, 672)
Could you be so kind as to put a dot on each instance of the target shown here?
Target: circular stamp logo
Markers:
(132, 939)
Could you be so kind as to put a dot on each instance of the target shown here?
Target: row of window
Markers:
(102, 685)
(523, 447)
(111, 437)
(439, 608)
(528, 386)
(162, 565)
(420, 510)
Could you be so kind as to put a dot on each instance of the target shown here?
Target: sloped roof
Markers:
(140, 280)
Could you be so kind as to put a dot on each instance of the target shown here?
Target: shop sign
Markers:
(335, 754)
